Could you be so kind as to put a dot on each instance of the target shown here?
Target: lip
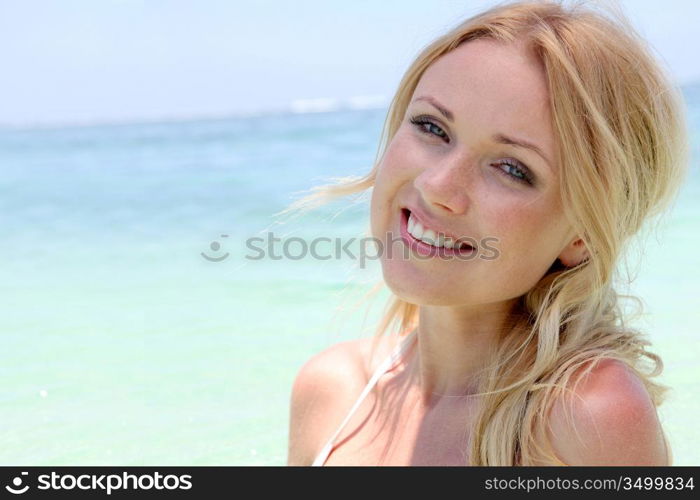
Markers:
(422, 247)
(429, 223)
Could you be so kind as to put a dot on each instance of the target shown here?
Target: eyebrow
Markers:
(499, 138)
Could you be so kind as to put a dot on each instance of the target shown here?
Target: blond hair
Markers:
(623, 151)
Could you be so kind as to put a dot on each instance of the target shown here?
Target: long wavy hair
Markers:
(623, 150)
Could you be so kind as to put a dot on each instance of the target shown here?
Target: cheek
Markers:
(400, 156)
(528, 239)
(393, 172)
(381, 200)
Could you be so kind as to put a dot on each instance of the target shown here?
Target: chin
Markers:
(414, 290)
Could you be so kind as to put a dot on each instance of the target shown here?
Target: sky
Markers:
(96, 61)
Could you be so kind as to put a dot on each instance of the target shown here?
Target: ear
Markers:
(574, 253)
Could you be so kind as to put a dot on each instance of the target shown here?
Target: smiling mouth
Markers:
(427, 245)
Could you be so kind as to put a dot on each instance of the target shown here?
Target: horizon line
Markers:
(299, 106)
(295, 107)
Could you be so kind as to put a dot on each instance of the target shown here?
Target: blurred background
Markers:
(142, 142)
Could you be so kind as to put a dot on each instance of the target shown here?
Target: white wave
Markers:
(367, 102)
(317, 105)
(327, 104)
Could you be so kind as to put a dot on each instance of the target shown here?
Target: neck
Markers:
(454, 345)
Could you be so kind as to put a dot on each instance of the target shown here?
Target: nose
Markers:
(446, 184)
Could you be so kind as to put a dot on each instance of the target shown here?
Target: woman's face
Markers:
(461, 176)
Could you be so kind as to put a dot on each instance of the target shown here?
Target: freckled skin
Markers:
(490, 88)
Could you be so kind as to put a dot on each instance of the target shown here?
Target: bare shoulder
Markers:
(608, 420)
(322, 392)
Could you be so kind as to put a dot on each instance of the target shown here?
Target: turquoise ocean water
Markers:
(123, 345)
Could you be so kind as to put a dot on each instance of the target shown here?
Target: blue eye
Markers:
(420, 122)
(522, 174)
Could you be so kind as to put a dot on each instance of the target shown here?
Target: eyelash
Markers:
(419, 121)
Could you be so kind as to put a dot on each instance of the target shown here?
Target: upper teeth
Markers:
(429, 236)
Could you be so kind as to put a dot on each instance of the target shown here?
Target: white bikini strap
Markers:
(381, 369)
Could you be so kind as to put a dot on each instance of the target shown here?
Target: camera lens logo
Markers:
(17, 482)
